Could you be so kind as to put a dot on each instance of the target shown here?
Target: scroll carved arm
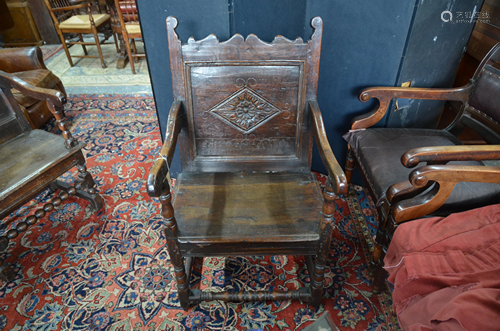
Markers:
(386, 94)
(335, 173)
(445, 178)
(156, 182)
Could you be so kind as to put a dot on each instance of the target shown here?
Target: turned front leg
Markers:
(171, 230)
(325, 229)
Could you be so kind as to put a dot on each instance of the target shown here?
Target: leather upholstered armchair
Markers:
(413, 173)
(27, 64)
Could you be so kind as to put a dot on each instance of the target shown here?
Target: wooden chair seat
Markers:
(83, 21)
(133, 28)
(267, 207)
(29, 156)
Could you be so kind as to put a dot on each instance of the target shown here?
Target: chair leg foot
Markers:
(379, 278)
(349, 165)
(85, 187)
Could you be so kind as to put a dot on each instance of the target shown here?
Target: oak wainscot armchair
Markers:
(245, 114)
(413, 173)
(32, 160)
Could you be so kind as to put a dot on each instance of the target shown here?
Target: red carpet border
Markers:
(79, 270)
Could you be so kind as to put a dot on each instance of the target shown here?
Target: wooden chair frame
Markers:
(251, 51)
(129, 38)
(408, 200)
(84, 186)
(64, 11)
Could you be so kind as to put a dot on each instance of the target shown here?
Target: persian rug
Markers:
(109, 270)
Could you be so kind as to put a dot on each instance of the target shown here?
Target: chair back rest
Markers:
(484, 102)
(61, 15)
(245, 101)
(127, 11)
(12, 120)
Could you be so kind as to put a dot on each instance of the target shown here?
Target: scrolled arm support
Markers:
(156, 182)
(444, 154)
(335, 173)
(10, 81)
(445, 177)
(386, 94)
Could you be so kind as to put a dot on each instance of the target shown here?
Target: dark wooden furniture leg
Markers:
(167, 211)
(326, 226)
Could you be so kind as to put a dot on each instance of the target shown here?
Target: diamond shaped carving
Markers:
(245, 110)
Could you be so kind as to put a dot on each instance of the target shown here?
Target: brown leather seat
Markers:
(27, 64)
(380, 156)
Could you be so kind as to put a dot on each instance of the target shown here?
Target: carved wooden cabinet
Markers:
(25, 31)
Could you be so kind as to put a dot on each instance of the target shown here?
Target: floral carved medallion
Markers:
(245, 110)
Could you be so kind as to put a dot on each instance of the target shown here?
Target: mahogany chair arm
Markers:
(157, 178)
(335, 172)
(53, 96)
(445, 177)
(443, 154)
(21, 59)
(386, 94)
(55, 101)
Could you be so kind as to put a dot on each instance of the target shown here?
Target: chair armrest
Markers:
(444, 154)
(55, 101)
(335, 172)
(446, 177)
(386, 94)
(53, 96)
(157, 178)
(21, 59)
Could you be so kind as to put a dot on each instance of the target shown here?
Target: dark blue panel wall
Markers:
(363, 42)
(266, 19)
(431, 59)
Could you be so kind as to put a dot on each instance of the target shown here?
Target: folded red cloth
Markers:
(446, 271)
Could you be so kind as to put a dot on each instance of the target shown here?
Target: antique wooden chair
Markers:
(245, 112)
(450, 177)
(31, 160)
(67, 19)
(130, 28)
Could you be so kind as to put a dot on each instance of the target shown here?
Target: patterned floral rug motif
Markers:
(79, 270)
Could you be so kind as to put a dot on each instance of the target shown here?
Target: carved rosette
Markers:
(245, 110)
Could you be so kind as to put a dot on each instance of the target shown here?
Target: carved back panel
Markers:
(244, 100)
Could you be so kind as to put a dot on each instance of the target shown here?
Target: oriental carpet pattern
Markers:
(79, 270)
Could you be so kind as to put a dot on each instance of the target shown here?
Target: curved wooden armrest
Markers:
(386, 94)
(156, 182)
(10, 81)
(335, 172)
(445, 177)
(450, 153)
(21, 59)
